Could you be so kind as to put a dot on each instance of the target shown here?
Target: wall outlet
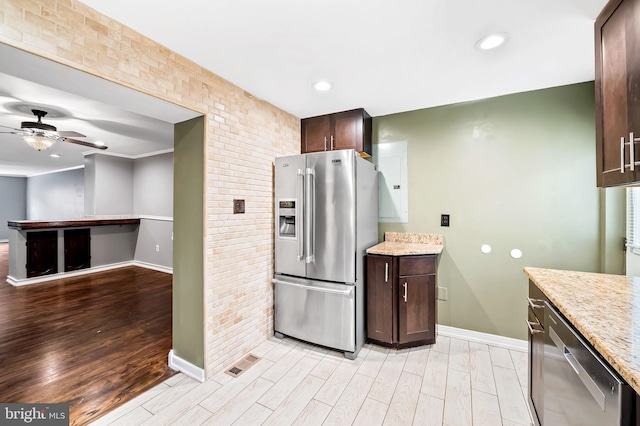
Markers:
(442, 293)
(157, 247)
(444, 220)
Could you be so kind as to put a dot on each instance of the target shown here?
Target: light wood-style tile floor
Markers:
(454, 382)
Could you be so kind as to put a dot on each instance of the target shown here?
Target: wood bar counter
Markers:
(43, 250)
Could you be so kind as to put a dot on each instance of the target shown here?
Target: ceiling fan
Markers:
(41, 136)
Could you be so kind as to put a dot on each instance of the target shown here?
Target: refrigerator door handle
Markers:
(309, 212)
(300, 214)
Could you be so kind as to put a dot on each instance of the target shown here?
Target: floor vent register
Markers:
(243, 365)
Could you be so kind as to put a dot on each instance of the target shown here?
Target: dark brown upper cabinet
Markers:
(617, 41)
(342, 130)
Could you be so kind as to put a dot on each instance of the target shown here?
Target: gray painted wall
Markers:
(515, 171)
(13, 202)
(155, 244)
(56, 196)
(153, 185)
(153, 196)
(109, 185)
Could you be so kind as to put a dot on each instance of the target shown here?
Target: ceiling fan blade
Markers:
(13, 128)
(70, 134)
(77, 142)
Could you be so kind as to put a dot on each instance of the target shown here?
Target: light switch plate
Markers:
(238, 206)
(442, 293)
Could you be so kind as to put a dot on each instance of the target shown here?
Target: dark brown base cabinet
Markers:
(77, 249)
(535, 320)
(42, 253)
(401, 300)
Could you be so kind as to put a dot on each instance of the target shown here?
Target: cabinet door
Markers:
(77, 249)
(347, 130)
(315, 134)
(416, 313)
(380, 301)
(617, 90)
(42, 253)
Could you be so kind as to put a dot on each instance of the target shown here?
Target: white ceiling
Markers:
(384, 56)
(130, 123)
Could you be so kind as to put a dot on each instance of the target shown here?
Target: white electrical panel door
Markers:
(391, 159)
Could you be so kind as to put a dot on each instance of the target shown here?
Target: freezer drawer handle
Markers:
(346, 292)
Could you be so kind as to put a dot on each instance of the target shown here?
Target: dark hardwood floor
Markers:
(94, 341)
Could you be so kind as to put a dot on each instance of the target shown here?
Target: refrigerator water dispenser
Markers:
(287, 219)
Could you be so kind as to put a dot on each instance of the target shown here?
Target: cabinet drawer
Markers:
(422, 265)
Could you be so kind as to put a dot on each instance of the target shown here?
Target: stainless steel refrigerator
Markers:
(326, 216)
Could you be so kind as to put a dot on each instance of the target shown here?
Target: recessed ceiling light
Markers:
(55, 155)
(492, 41)
(322, 85)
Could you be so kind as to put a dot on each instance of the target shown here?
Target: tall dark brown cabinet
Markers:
(77, 249)
(342, 130)
(42, 253)
(401, 299)
(617, 41)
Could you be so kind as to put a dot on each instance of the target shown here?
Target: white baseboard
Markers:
(4, 241)
(26, 281)
(486, 338)
(185, 367)
(16, 282)
(159, 268)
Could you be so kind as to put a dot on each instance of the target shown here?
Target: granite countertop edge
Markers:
(393, 248)
(604, 308)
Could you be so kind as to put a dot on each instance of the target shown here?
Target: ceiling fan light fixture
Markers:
(492, 41)
(39, 143)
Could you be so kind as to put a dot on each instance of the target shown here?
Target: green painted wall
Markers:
(515, 171)
(188, 241)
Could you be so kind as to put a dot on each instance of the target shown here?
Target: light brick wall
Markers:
(244, 135)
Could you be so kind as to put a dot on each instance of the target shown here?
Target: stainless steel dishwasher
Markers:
(579, 388)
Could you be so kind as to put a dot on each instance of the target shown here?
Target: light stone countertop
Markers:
(604, 308)
(407, 244)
